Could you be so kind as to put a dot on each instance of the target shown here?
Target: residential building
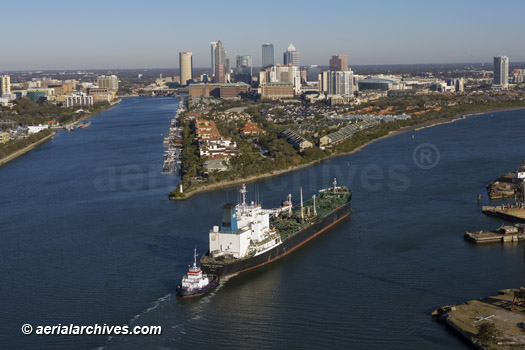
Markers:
(185, 67)
(79, 100)
(267, 55)
(339, 63)
(299, 142)
(340, 83)
(5, 84)
(501, 72)
(109, 82)
(291, 56)
(251, 129)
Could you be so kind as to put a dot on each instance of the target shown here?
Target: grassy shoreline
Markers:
(417, 127)
(26, 149)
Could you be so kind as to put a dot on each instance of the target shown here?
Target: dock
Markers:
(512, 212)
(505, 234)
(494, 322)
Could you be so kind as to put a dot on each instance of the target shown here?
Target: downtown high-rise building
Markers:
(291, 56)
(267, 55)
(185, 67)
(243, 64)
(339, 63)
(5, 84)
(340, 82)
(213, 47)
(219, 62)
(501, 72)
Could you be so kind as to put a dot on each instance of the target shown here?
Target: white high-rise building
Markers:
(291, 56)
(5, 85)
(340, 83)
(213, 47)
(185, 67)
(501, 72)
(286, 74)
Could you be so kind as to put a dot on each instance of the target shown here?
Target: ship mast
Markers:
(243, 191)
(302, 211)
(195, 257)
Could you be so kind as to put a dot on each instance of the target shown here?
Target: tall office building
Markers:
(291, 56)
(220, 63)
(243, 64)
(339, 63)
(267, 55)
(5, 85)
(213, 47)
(108, 82)
(340, 82)
(312, 73)
(185, 67)
(501, 71)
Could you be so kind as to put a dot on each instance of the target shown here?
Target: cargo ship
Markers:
(250, 236)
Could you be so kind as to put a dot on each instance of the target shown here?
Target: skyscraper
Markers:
(501, 71)
(213, 47)
(185, 67)
(267, 55)
(5, 85)
(339, 63)
(243, 64)
(291, 56)
(220, 63)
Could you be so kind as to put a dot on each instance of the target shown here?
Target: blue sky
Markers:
(149, 34)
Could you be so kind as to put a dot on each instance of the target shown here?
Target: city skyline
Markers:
(141, 34)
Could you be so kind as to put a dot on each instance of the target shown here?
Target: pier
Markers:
(507, 212)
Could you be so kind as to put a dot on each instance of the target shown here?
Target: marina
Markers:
(173, 143)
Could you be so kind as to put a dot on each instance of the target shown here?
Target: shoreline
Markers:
(422, 126)
(32, 146)
(26, 149)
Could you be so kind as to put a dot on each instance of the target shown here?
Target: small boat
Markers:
(196, 283)
(85, 125)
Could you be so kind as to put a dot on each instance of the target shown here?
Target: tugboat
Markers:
(196, 283)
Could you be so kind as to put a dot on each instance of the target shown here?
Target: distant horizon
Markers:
(490, 64)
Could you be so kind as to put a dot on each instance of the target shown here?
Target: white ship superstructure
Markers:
(245, 230)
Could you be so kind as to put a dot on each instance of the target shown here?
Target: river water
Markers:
(89, 237)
